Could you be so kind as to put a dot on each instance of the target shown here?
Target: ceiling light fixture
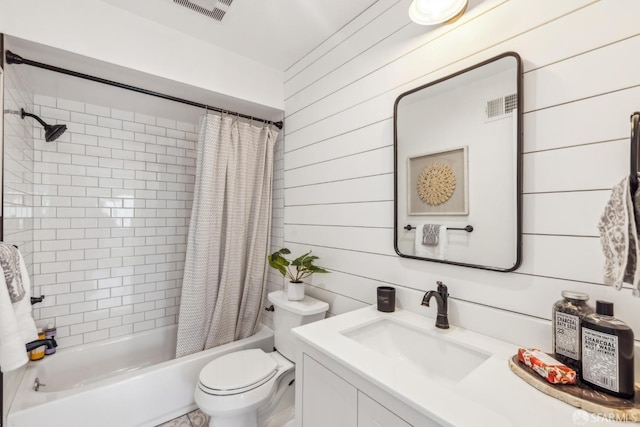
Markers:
(432, 12)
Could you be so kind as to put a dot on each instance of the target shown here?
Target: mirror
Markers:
(457, 173)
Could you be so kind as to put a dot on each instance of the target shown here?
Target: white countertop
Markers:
(491, 395)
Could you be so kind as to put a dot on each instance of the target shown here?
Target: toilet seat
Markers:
(237, 372)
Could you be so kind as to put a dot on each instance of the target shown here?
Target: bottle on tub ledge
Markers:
(607, 352)
(50, 332)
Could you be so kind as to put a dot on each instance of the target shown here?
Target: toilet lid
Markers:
(237, 371)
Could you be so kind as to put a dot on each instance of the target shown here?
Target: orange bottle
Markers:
(38, 353)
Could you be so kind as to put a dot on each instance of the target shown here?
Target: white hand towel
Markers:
(17, 326)
(438, 251)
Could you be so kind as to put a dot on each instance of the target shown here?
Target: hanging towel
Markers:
(16, 323)
(430, 234)
(619, 237)
(10, 263)
(428, 250)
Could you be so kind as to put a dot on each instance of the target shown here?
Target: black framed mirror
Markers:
(458, 167)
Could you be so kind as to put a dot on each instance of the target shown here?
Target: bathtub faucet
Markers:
(50, 343)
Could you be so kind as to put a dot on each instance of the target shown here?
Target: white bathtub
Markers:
(124, 382)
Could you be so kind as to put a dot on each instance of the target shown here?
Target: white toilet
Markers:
(251, 388)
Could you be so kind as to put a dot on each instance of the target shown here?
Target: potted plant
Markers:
(303, 268)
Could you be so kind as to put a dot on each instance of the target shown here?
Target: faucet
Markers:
(441, 295)
(50, 343)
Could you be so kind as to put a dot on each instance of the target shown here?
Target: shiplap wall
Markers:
(581, 83)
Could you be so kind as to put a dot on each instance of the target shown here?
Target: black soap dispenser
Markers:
(607, 352)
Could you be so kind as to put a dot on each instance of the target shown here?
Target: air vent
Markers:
(500, 107)
(215, 9)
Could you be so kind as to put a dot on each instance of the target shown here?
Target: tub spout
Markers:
(50, 343)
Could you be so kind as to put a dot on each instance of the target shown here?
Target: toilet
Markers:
(251, 388)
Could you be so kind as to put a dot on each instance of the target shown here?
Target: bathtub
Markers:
(123, 382)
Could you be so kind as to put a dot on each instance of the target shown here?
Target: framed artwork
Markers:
(437, 183)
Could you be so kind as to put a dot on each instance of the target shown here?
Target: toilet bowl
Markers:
(251, 388)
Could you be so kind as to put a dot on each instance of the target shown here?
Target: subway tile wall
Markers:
(18, 164)
(18, 188)
(112, 201)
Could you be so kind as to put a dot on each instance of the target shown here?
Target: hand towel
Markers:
(10, 263)
(430, 234)
(438, 251)
(17, 326)
(619, 237)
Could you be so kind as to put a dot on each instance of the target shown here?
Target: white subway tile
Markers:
(110, 263)
(83, 181)
(86, 119)
(96, 274)
(97, 294)
(132, 299)
(71, 319)
(91, 316)
(82, 307)
(121, 310)
(154, 314)
(110, 282)
(109, 123)
(121, 330)
(133, 127)
(89, 140)
(125, 135)
(97, 131)
(97, 253)
(54, 113)
(88, 264)
(74, 297)
(88, 285)
(59, 310)
(122, 291)
(109, 302)
(166, 123)
(71, 341)
(67, 190)
(84, 244)
(96, 336)
(83, 327)
(98, 151)
(132, 318)
(164, 321)
(109, 323)
(100, 192)
(71, 276)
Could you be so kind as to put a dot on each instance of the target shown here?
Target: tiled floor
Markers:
(192, 419)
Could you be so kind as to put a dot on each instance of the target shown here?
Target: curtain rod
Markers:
(12, 58)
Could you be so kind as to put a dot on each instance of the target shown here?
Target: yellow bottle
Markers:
(38, 353)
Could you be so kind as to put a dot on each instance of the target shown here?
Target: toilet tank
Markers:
(291, 314)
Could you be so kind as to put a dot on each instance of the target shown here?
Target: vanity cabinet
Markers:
(328, 400)
(325, 398)
(373, 414)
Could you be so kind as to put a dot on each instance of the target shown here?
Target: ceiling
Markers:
(276, 33)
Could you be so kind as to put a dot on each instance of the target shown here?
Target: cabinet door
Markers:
(373, 414)
(327, 399)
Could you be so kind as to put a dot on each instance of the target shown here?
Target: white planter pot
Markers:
(295, 291)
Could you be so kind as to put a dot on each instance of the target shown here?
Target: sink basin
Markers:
(435, 356)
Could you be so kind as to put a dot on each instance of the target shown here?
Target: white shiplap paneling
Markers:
(579, 88)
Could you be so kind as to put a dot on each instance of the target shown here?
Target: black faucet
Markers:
(441, 295)
(50, 343)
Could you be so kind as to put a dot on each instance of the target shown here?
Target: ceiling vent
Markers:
(215, 9)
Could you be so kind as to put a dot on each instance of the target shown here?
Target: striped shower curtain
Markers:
(229, 231)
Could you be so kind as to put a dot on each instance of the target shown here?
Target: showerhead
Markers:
(51, 132)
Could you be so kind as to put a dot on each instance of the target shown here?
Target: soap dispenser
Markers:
(607, 352)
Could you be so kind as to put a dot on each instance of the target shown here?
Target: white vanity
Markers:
(366, 368)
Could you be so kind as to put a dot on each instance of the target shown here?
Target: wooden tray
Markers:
(581, 395)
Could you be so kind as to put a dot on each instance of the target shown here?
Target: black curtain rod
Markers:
(12, 58)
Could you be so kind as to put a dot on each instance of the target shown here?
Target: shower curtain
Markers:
(229, 231)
